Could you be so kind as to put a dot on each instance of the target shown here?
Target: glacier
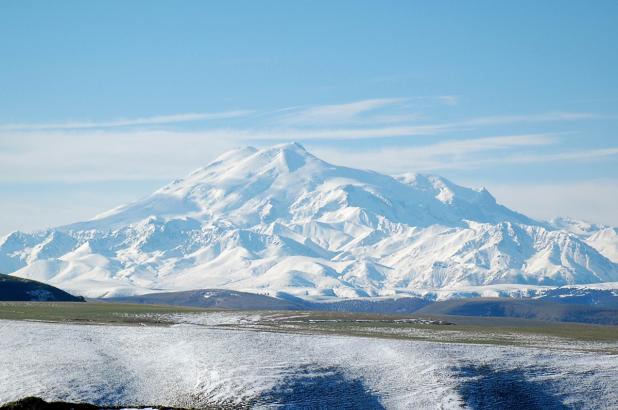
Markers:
(279, 220)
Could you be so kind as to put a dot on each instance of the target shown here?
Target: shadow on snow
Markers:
(320, 388)
(487, 388)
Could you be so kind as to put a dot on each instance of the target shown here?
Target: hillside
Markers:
(18, 289)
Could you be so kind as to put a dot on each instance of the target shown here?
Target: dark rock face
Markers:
(24, 290)
(35, 403)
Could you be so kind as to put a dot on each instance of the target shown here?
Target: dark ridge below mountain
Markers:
(211, 298)
(24, 290)
(234, 300)
(400, 305)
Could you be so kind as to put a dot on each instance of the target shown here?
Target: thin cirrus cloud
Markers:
(106, 155)
(341, 134)
(377, 110)
(384, 110)
(449, 154)
(463, 154)
(451, 100)
(534, 118)
(336, 113)
(578, 199)
(579, 155)
(515, 159)
(127, 122)
(141, 154)
(122, 149)
(373, 118)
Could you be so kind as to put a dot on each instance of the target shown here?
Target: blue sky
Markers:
(103, 102)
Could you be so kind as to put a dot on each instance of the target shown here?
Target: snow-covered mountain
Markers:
(281, 220)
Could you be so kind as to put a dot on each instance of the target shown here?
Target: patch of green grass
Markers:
(89, 312)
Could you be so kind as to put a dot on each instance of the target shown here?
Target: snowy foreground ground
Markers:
(200, 363)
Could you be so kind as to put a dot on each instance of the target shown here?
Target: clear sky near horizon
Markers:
(103, 102)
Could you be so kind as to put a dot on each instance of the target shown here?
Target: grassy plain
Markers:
(90, 313)
(440, 328)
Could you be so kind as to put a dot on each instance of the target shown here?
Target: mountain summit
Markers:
(280, 219)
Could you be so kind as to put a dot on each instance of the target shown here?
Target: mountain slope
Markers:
(601, 237)
(281, 220)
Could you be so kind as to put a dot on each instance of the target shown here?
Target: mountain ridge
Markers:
(279, 219)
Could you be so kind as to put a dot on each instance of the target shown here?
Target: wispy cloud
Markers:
(387, 125)
(389, 118)
(368, 118)
(376, 110)
(473, 145)
(533, 118)
(449, 154)
(593, 200)
(97, 155)
(463, 154)
(155, 154)
(121, 149)
(579, 155)
(467, 162)
(341, 134)
(337, 113)
(451, 100)
(127, 122)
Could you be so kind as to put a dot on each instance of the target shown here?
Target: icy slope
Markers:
(601, 237)
(280, 219)
(606, 242)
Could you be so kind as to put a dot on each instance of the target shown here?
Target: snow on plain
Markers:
(194, 365)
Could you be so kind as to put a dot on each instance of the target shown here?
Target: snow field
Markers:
(192, 365)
